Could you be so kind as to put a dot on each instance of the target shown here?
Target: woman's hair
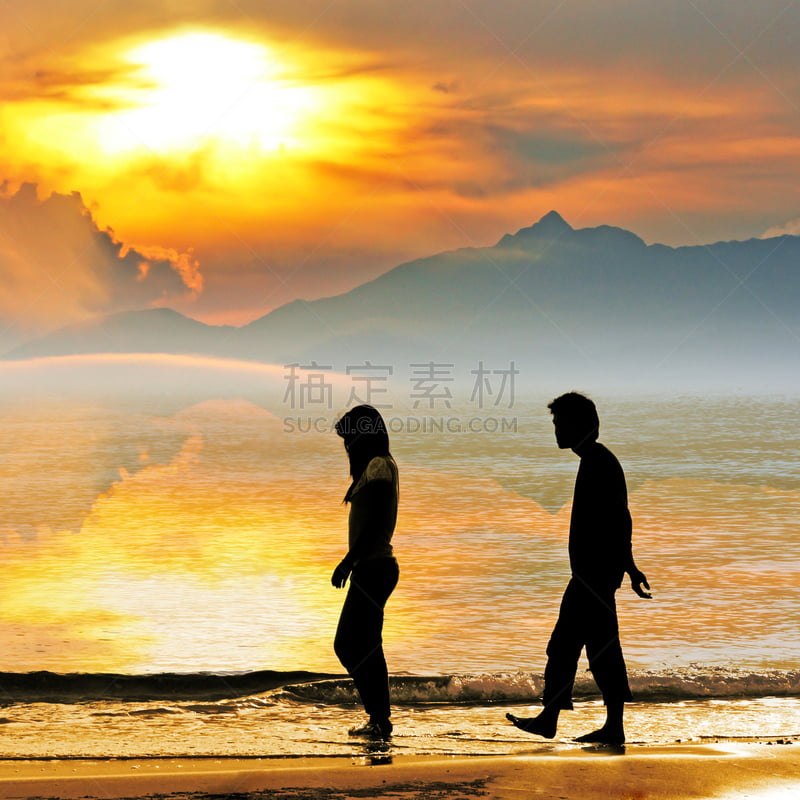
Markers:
(364, 434)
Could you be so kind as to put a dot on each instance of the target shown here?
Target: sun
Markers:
(193, 89)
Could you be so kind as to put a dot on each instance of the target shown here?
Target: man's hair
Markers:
(579, 409)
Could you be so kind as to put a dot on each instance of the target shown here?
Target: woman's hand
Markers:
(340, 574)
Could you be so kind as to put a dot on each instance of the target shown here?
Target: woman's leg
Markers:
(359, 640)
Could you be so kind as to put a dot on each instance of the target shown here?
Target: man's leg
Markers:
(563, 652)
(607, 664)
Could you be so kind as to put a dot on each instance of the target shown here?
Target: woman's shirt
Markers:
(373, 510)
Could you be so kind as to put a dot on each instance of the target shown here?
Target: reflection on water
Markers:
(152, 535)
(255, 728)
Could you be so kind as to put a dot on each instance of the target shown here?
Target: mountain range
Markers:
(597, 301)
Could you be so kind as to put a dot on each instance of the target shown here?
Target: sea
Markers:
(169, 526)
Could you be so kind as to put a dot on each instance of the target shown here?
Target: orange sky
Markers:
(247, 154)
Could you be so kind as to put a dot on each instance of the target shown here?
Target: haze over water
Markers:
(149, 532)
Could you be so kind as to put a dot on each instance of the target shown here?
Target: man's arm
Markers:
(638, 579)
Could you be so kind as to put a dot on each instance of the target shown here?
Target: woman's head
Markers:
(364, 433)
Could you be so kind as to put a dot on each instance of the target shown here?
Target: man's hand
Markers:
(638, 580)
(339, 577)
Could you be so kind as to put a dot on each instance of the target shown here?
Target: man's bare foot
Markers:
(541, 727)
(605, 735)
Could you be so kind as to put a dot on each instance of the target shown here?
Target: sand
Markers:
(676, 772)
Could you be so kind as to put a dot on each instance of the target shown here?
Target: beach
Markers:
(763, 770)
(167, 632)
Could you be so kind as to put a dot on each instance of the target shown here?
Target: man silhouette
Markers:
(599, 554)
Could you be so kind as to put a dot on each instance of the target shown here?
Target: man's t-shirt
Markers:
(600, 525)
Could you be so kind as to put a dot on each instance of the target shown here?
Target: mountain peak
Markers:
(552, 220)
(551, 226)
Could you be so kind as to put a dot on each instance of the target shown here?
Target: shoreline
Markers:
(657, 772)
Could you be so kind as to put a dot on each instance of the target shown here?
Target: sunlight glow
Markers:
(198, 88)
(206, 125)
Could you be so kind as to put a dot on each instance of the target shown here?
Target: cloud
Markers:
(790, 228)
(442, 125)
(57, 266)
(176, 173)
(445, 87)
(42, 77)
(74, 88)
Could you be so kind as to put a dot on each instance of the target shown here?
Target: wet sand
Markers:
(675, 772)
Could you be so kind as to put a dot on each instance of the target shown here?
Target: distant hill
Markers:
(595, 302)
(154, 330)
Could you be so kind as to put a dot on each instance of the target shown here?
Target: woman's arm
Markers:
(373, 498)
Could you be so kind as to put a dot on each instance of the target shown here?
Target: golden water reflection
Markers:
(212, 547)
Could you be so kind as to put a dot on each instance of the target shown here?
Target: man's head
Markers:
(575, 419)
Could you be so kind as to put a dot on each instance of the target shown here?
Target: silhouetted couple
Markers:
(600, 555)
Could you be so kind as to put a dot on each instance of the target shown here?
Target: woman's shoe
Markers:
(374, 729)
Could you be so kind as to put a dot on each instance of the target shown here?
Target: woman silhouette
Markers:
(369, 563)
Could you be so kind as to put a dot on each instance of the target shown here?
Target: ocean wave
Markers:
(522, 687)
(53, 687)
(268, 686)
